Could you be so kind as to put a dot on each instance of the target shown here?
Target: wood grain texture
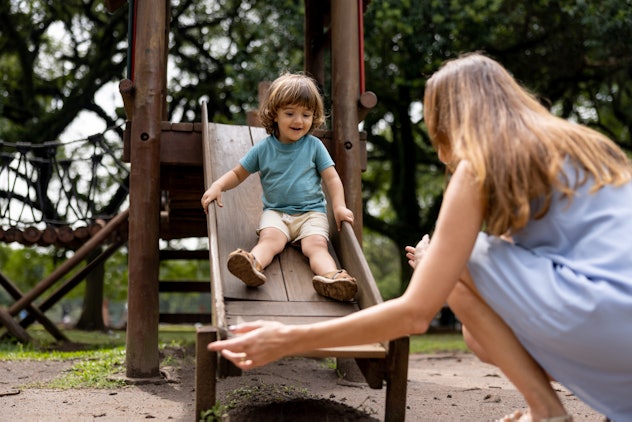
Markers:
(288, 295)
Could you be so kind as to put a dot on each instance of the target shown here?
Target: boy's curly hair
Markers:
(291, 89)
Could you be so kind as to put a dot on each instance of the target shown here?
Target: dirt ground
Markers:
(441, 387)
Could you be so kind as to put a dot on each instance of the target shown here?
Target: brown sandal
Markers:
(338, 285)
(245, 267)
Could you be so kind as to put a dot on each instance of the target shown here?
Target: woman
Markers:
(530, 250)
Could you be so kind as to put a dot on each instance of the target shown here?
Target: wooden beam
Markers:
(184, 254)
(13, 327)
(114, 5)
(205, 369)
(180, 144)
(73, 281)
(345, 96)
(144, 221)
(184, 318)
(32, 310)
(181, 148)
(184, 286)
(70, 263)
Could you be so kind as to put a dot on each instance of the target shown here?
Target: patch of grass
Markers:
(437, 343)
(329, 363)
(214, 414)
(183, 335)
(11, 351)
(44, 347)
(97, 356)
(95, 370)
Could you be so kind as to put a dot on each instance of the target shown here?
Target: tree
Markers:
(222, 50)
(576, 55)
(55, 56)
(51, 72)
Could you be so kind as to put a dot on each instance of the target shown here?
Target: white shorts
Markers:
(296, 226)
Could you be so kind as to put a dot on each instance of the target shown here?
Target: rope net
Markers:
(61, 184)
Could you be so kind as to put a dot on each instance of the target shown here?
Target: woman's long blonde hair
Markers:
(476, 111)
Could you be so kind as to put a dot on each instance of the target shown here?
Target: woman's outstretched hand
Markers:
(254, 344)
(415, 254)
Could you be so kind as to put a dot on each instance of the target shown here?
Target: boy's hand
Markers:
(342, 214)
(213, 193)
(415, 254)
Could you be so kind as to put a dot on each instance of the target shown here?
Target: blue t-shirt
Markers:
(290, 173)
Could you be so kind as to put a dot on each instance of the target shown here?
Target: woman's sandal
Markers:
(245, 267)
(519, 416)
(338, 285)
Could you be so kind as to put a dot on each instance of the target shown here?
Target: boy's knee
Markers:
(314, 244)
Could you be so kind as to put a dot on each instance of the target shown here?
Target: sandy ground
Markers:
(441, 387)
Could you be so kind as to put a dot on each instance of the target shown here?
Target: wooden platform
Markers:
(288, 295)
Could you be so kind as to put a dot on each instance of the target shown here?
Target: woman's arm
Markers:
(434, 278)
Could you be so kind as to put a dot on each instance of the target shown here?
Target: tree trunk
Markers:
(92, 313)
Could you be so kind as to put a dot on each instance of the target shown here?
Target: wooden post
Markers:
(205, 370)
(144, 221)
(315, 40)
(345, 96)
(397, 379)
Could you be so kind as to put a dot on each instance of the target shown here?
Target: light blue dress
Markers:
(565, 288)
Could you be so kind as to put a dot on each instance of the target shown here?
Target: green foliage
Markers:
(98, 358)
(382, 256)
(214, 414)
(24, 267)
(27, 266)
(93, 371)
(52, 78)
(438, 343)
(82, 343)
(574, 54)
(223, 49)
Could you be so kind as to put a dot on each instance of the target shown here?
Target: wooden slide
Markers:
(287, 295)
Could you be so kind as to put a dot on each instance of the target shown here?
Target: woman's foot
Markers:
(338, 285)
(519, 416)
(245, 267)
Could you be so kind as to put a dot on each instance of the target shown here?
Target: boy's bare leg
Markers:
(271, 242)
(315, 248)
(496, 343)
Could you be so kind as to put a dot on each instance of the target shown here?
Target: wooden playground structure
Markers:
(171, 164)
(288, 295)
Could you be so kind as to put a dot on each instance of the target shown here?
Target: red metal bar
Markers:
(133, 9)
(361, 46)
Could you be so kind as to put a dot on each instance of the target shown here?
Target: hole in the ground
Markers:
(304, 410)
